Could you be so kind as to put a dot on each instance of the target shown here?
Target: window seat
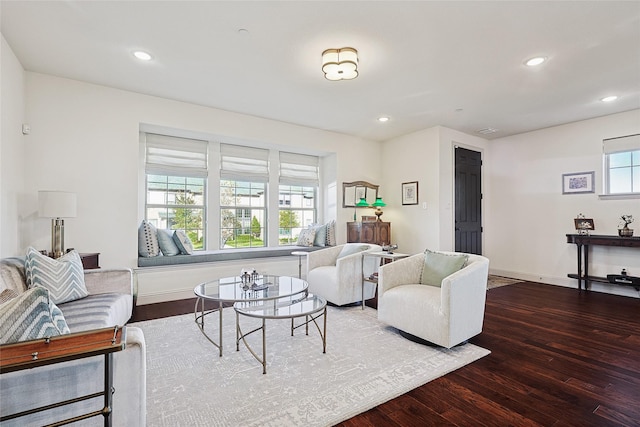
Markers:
(222, 255)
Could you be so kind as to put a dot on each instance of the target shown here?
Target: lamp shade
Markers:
(57, 204)
(379, 203)
(362, 203)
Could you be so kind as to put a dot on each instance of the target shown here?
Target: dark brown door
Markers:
(468, 194)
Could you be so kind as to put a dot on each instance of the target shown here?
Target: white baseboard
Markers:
(627, 291)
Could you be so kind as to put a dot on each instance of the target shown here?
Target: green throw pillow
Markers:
(437, 266)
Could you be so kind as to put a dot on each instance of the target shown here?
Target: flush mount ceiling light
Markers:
(142, 55)
(532, 62)
(609, 98)
(383, 119)
(340, 64)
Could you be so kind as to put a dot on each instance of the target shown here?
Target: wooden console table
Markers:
(584, 241)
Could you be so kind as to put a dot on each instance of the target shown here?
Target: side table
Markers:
(299, 254)
(383, 256)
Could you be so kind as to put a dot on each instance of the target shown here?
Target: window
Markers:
(296, 195)
(227, 196)
(176, 171)
(622, 165)
(244, 173)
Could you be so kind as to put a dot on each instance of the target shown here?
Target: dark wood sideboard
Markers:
(583, 242)
(375, 232)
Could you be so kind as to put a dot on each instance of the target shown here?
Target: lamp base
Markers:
(378, 213)
(57, 237)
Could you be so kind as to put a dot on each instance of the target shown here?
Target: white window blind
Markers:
(621, 144)
(169, 155)
(298, 169)
(239, 163)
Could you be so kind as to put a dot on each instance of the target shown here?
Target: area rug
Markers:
(498, 281)
(366, 364)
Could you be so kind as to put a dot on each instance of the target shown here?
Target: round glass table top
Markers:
(265, 287)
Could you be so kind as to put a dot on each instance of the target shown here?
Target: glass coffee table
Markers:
(309, 306)
(234, 289)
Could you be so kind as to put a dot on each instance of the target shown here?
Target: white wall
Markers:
(427, 157)
(85, 139)
(528, 215)
(12, 163)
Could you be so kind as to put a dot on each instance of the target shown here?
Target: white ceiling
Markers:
(422, 63)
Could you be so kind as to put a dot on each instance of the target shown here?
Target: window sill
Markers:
(621, 196)
(221, 255)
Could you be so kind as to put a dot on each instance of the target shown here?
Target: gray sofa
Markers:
(110, 303)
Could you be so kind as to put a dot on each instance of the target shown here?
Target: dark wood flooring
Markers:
(560, 357)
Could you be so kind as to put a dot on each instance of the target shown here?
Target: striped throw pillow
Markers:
(29, 316)
(63, 277)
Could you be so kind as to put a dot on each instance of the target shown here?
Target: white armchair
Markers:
(337, 278)
(447, 315)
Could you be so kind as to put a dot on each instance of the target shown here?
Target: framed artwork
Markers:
(584, 224)
(580, 182)
(410, 193)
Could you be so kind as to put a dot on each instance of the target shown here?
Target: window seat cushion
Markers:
(222, 255)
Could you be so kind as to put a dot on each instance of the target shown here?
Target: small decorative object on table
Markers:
(584, 225)
(249, 279)
(389, 248)
(625, 231)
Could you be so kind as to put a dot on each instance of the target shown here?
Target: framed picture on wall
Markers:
(580, 182)
(410, 193)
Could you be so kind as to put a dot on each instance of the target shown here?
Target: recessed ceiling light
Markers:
(383, 119)
(609, 98)
(532, 62)
(142, 55)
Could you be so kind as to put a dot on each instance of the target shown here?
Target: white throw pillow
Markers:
(306, 237)
(148, 240)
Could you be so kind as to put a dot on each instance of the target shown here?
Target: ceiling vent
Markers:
(487, 131)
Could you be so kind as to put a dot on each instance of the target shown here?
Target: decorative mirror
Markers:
(352, 192)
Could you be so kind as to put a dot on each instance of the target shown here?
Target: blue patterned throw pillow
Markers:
(63, 277)
(30, 316)
(183, 242)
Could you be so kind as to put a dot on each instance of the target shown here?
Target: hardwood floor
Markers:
(559, 357)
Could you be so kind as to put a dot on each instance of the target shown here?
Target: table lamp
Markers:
(378, 204)
(57, 205)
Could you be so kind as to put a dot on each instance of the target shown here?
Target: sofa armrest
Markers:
(404, 271)
(102, 281)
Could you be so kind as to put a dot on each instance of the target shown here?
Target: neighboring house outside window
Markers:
(622, 165)
(242, 214)
(244, 178)
(297, 195)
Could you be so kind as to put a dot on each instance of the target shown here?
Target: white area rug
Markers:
(366, 364)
